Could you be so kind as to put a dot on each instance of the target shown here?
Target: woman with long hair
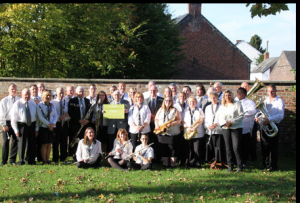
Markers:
(89, 151)
(100, 122)
(121, 150)
(169, 141)
(231, 121)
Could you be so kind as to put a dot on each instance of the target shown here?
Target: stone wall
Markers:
(287, 126)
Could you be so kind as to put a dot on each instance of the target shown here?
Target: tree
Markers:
(86, 40)
(266, 9)
(256, 42)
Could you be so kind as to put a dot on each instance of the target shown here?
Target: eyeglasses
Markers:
(168, 100)
(102, 95)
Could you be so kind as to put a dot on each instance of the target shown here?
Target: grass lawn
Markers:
(67, 183)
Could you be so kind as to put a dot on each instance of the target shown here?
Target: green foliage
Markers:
(265, 9)
(82, 40)
(256, 42)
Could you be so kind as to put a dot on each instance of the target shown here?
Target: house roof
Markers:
(291, 57)
(265, 65)
(184, 17)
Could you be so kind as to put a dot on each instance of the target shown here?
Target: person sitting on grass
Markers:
(89, 150)
(143, 155)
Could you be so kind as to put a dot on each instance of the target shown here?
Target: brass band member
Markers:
(89, 151)
(139, 118)
(143, 155)
(121, 150)
(269, 145)
(229, 114)
(193, 122)
(47, 116)
(169, 140)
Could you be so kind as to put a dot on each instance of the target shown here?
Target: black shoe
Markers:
(2, 164)
(21, 163)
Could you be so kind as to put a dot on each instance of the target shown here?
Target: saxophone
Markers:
(190, 135)
(163, 129)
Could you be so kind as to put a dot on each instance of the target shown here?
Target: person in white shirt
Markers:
(249, 107)
(269, 145)
(111, 91)
(201, 96)
(139, 118)
(231, 121)
(89, 150)
(187, 90)
(92, 93)
(193, 121)
(34, 94)
(168, 140)
(60, 141)
(6, 129)
(23, 122)
(215, 140)
(218, 87)
(41, 88)
(47, 116)
(173, 87)
(143, 155)
(148, 93)
(121, 150)
(123, 94)
(181, 105)
(132, 92)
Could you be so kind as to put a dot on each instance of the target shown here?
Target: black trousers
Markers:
(245, 147)
(60, 142)
(269, 148)
(153, 138)
(232, 142)
(196, 154)
(81, 164)
(216, 148)
(7, 136)
(182, 149)
(135, 139)
(136, 166)
(27, 140)
(253, 145)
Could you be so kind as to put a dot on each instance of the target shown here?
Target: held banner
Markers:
(113, 111)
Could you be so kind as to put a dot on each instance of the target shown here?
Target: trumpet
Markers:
(190, 135)
(163, 129)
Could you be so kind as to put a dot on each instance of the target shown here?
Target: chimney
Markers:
(238, 41)
(266, 55)
(195, 9)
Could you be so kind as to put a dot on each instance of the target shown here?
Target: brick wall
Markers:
(287, 126)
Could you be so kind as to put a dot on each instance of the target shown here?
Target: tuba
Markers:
(271, 130)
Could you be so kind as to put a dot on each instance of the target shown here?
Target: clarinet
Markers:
(63, 113)
(98, 116)
(114, 151)
(87, 116)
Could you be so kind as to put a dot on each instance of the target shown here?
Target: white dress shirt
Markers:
(126, 151)
(147, 95)
(146, 153)
(133, 118)
(200, 100)
(231, 113)
(5, 108)
(275, 109)
(18, 113)
(250, 107)
(212, 118)
(88, 152)
(56, 103)
(34, 98)
(42, 112)
(93, 99)
(187, 118)
(67, 99)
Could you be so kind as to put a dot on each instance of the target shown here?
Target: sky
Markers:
(235, 22)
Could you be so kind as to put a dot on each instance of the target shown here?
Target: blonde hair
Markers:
(136, 95)
(120, 131)
(45, 94)
(224, 102)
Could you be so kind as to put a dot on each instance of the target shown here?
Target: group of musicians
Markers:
(170, 128)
